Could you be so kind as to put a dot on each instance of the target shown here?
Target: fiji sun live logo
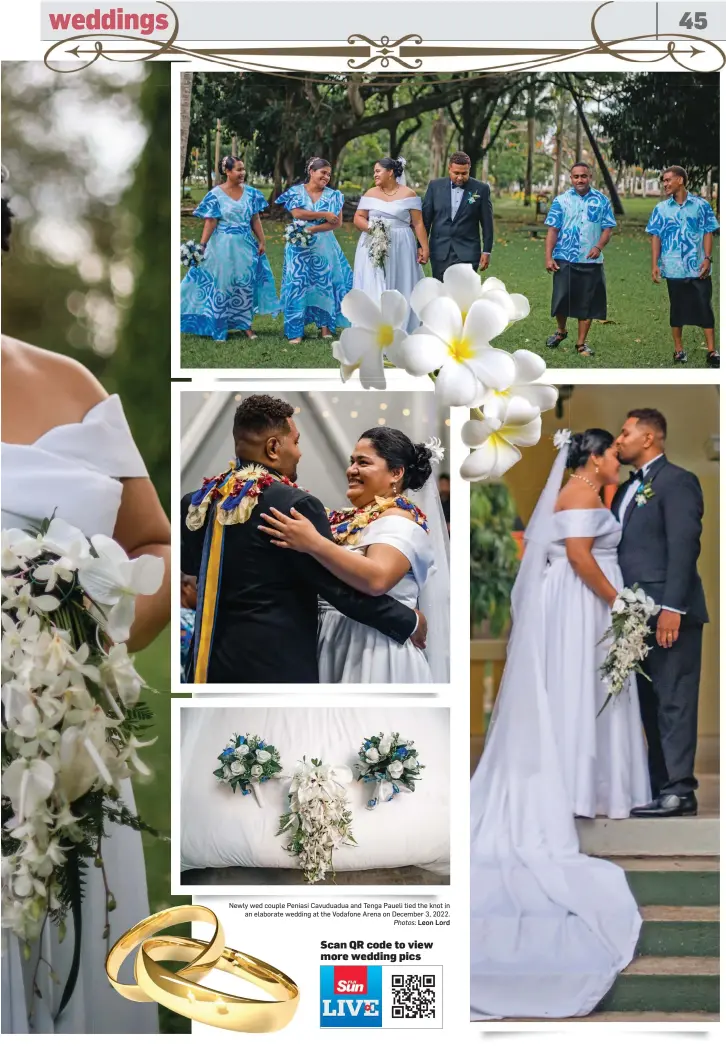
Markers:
(350, 996)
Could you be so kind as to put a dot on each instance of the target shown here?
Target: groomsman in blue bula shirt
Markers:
(682, 228)
(580, 223)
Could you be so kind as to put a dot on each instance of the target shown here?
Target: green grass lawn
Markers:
(153, 796)
(636, 333)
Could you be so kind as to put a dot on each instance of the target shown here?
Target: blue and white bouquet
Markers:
(390, 763)
(247, 761)
(192, 254)
(298, 233)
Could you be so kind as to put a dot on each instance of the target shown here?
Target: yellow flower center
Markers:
(385, 335)
(460, 349)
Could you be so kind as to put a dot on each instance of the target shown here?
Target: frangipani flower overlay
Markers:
(460, 318)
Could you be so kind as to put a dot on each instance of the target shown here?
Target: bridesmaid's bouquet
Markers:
(629, 629)
(72, 719)
(192, 254)
(298, 233)
(388, 762)
(319, 817)
(247, 761)
(379, 242)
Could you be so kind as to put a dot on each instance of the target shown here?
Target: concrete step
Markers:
(632, 837)
(667, 984)
(672, 930)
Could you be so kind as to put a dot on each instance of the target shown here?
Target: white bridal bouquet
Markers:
(192, 254)
(247, 761)
(298, 233)
(319, 817)
(388, 762)
(629, 630)
(72, 720)
(379, 242)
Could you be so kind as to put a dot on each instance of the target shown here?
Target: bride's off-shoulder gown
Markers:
(551, 927)
(75, 471)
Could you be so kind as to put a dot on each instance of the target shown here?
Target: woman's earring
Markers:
(395, 490)
(597, 470)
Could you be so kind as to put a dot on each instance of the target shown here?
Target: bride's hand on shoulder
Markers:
(294, 531)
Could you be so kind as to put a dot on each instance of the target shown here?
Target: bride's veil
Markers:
(401, 180)
(435, 594)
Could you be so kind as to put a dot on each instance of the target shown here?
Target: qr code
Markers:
(414, 995)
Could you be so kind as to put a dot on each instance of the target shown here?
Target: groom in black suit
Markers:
(266, 601)
(661, 508)
(457, 213)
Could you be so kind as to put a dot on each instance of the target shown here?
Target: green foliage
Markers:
(494, 554)
(676, 124)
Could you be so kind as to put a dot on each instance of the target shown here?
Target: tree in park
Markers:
(677, 123)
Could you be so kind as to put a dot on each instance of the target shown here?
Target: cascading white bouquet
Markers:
(460, 317)
(389, 762)
(319, 816)
(298, 233)
(72, 719)
(192, 254)
(245, 762)
(379, 242)
(629, 630)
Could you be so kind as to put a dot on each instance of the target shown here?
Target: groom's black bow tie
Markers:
(637, 474)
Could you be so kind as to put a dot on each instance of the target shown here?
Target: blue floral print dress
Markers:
(234, 281)
(315, 279)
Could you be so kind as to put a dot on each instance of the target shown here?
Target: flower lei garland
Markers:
(72, 719)
(236, 490)
(347, 523)
(388, 762)
(319, 817)
(247, 761)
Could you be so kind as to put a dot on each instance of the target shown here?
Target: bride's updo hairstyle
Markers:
(389, 164)
(315, 163)
(583, 444)
(398, 451)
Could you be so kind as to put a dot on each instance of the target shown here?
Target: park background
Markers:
(88, 276)
(523, 131)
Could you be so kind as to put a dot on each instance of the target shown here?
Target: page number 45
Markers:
(697, 22)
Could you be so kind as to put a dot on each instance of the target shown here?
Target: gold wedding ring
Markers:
(208, 1005)
(204, 957)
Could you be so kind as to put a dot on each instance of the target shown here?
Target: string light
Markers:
(381, 421)
(354, 414)
(405, 412)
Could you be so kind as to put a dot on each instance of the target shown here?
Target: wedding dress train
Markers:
(71, 471)
(550, 927)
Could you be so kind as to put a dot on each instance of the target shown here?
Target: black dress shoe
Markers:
(668, 806)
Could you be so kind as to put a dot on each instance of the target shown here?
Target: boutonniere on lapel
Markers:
(472, 197)
(644, 493)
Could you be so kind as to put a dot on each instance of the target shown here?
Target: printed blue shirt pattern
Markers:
(580, 220)
(681, 228)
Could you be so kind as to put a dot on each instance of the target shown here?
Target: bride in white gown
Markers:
(390, 201)
(67, 449)
(551, 928)
(384, 544)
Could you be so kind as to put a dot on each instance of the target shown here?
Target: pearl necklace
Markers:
(589, 483)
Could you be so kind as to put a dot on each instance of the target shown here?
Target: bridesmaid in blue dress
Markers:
(315, 279)
(234, 281)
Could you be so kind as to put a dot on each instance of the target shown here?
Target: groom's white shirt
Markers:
(628, 497)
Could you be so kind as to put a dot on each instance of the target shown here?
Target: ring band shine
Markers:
(202, 960)
(208, 1005)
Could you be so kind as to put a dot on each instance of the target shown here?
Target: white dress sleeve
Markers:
(367, 203)
(101, 441)
(405, 535)
(583, 523)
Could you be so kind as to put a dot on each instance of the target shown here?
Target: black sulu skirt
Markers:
(578, 290)
(691, 303)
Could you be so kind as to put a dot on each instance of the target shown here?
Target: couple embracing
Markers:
(551, 927)
(452, 224)
(289, 592)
